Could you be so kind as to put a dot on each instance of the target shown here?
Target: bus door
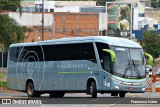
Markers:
(106, 66)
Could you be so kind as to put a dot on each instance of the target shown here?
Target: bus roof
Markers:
(113, 41)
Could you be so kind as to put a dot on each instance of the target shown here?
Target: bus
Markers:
(91, 65)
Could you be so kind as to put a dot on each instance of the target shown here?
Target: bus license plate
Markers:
(131, 88)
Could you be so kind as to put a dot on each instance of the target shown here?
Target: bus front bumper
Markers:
(128, 86)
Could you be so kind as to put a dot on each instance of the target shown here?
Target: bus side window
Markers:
(104, 57)
(77, 51)
(106, 65)
(81, 51)
(88, 52)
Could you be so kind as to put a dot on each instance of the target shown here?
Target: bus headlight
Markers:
(116, 80)
(116, 87)
(143, 89)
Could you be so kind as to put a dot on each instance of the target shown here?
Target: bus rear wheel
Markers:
(93, 90)
(30, 90)
(57, 94)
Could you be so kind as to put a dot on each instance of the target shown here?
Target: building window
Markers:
(51, 10)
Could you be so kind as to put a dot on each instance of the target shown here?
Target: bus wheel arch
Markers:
(92, 87)
(31, 90)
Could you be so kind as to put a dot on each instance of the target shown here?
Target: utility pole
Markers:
(42, 20)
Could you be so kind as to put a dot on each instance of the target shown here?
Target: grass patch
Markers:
(3, 83)
(1, 75)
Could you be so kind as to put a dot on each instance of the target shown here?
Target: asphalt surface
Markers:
(147, 99)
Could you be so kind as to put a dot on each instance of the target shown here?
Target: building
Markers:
(146, 3)
(64, 18)
(143, 17)
(62, 24)
(153, 13)
(55, 6)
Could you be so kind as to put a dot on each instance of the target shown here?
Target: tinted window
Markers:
(55, 52)
(26, 54)
(104, 56)
(14, 53)
(83, 51)
(33, 53)
(100, 47)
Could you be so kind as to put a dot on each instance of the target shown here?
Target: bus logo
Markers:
(30, 69)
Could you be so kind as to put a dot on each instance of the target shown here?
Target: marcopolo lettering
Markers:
(69, 66)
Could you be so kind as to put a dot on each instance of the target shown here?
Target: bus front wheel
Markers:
(93, 90)
(30, 90)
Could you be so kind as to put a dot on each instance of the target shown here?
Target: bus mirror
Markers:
(150, 60)
(113, 55)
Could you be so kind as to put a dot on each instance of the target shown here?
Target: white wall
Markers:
(67, 9)
(32, 19)
(140, 22)
(68, 3)
(66, 6)
(136, 19)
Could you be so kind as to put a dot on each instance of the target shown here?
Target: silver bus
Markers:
(93, 64)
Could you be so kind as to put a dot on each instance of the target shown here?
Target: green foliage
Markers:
(151, 43)
(0, 75)
(103, 2)
(155, 3)
(11, 5)
(10, 30)
(3, 83)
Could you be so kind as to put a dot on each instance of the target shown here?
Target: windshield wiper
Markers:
(128, 67)
(135, 68)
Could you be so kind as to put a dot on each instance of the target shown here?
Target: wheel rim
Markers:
(30, 90)
(91, 89)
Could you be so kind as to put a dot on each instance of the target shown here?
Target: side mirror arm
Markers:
(150, 60)
(113, 55)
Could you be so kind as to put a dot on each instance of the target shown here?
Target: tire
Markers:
(93, 90)
(30, 90)
(57, 94)
(122, 94)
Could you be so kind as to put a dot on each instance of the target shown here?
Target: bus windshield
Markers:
(129, 62)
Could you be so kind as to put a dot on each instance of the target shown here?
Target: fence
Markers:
(3, 65)
(75, 24)
(153, 84)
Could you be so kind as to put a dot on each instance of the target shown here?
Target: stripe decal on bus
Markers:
(75, 72)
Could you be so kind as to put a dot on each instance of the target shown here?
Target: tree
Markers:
(11, 5)
(103, 2)
(155, 3)
(10, 30)
(151, 43)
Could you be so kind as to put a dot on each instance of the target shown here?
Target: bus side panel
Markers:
(11, 76)
(70, 75)
(16, 77)
(19, 73)
(55, 80)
